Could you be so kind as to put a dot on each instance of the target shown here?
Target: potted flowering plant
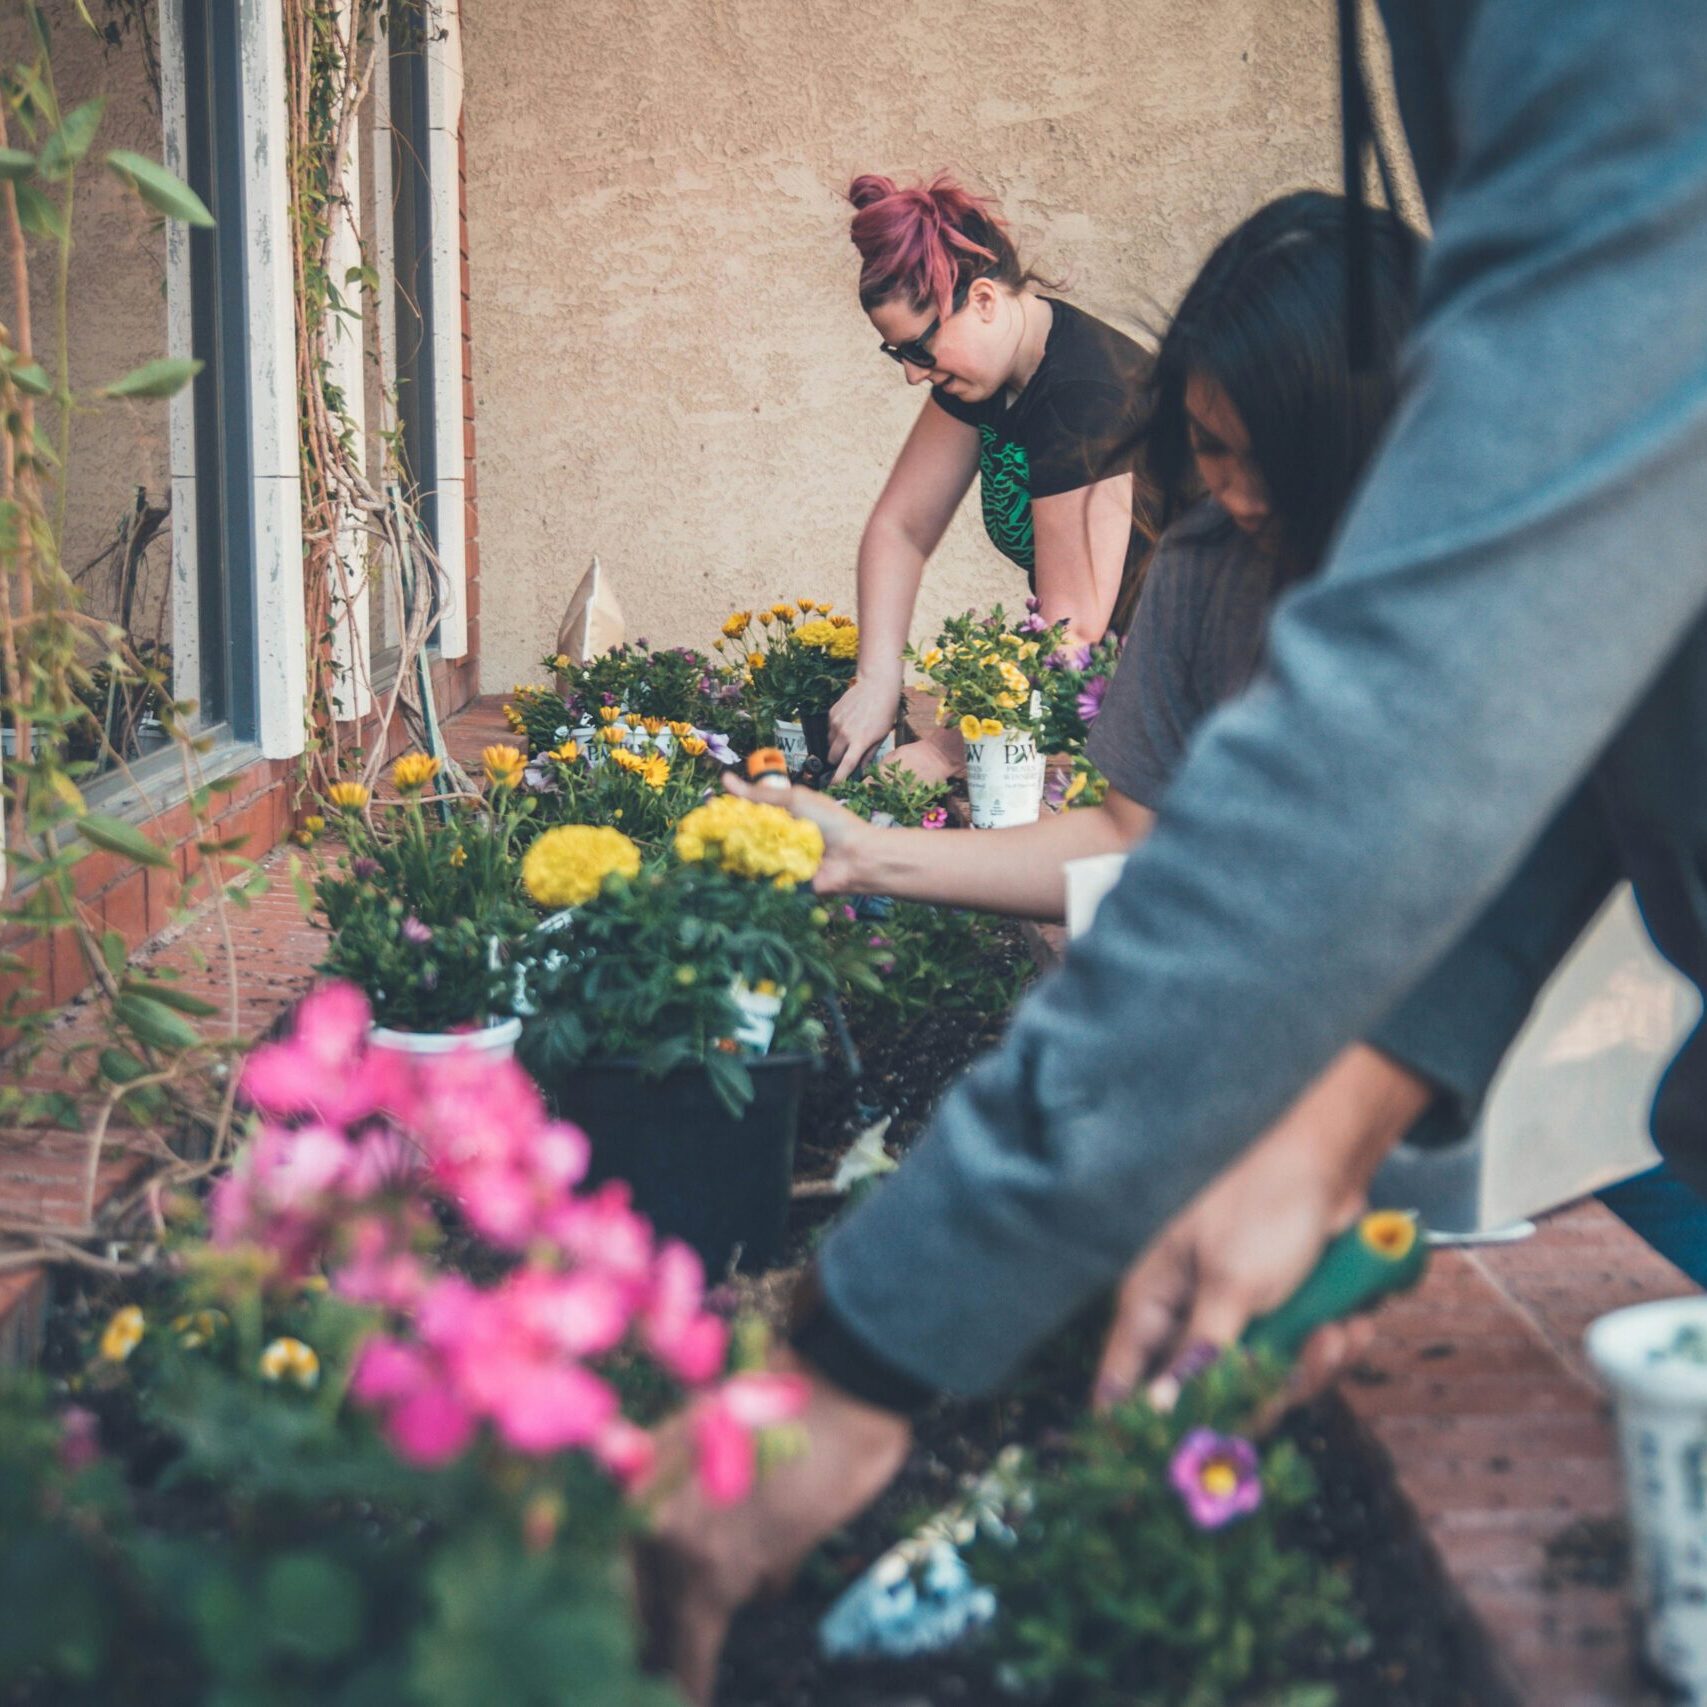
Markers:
(640, 776)
(670, 1010)
(311, 1460)
(421, 910)
(990, 683)
(676, 684)
(799, 659)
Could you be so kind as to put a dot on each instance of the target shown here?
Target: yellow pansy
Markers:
(290, 1360)
(123, 1334)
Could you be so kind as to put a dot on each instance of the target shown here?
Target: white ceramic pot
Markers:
(791, 742)
(496, 1041)
(1661, 1402)
(1004, 779)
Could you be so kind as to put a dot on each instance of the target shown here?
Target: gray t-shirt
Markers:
(1195, 643)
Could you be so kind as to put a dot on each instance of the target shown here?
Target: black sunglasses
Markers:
(916, 352)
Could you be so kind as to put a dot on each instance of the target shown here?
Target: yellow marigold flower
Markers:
(693, 746)
(290, 1360)
(844, 643)
(608, 714)
(348, 796)
(817, 632)
(841, 621)
(655, 771)
(504, 765)
(930, 657)
(735, 622)
(755, 660)
(568, 753)
(314, 823)
(123, 1334)
(567, 866)
(413, 772)
(749, 839)
(970, 727)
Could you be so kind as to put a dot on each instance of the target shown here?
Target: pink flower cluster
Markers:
(352, 1143)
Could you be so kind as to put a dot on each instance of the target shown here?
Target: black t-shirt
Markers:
(1075, 423)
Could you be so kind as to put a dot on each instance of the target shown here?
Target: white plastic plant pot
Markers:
(1004, 779)
(586, 737)
(791, 743)
(1654, 1358)
(759, 1014)
(495, 1042)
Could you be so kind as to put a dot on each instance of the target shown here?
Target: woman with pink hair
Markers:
(1038, 399)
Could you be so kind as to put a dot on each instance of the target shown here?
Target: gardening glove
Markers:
(1249, 1239)
(702, 1562)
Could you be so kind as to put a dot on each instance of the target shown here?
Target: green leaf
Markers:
(181, 1000)
(116, 836)
(39, 215)
(113, 951)
(71, 141)
(15, 163)
(163, 378)
(162, 191)
(155, 1024)
(31, 380)
(120, 1066)
(312, 1606)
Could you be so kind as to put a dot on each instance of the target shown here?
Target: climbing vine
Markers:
(353, 528)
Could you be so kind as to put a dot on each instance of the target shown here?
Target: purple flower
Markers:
(1055, 661)
(704, 685)
(1090, 698)
(607, 699)
(640, 643)
(1034, 624)
(1034, 604)
(935, 819)
(848, 912)
(364, 868)
(416, 932)
(717, 746)
(79, 1438)
(1216, 1477)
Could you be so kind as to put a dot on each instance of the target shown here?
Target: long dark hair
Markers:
(1265, 321)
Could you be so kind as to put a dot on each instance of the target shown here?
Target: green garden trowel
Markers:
(920, 1598)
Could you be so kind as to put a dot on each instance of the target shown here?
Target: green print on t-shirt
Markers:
(1004, 473)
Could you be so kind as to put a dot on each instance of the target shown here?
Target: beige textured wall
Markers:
(117, 307)
(670, 366)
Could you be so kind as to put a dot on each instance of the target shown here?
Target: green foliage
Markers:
(890, 788)
(1114, 1597)
(256, 1544)
(641, 791)
(421, 910)
(932, 959)
(644, 973)
(675, 683)
(800, 659)
(1065, 729)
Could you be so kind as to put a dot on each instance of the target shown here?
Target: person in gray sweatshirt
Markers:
(1504, 658)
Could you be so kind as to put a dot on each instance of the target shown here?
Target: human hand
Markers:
(1252, 1236)
(701, 1563)
(846, 834)
(861, 718)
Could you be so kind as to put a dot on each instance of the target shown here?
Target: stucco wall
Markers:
(670, 367)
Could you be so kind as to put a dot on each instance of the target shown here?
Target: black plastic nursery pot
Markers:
(815, 725)
(716, 1181)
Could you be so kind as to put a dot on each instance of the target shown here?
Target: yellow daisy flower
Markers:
(123, 1334)
(504, 765)
(413, 772)
(290, 1360)
(736, 622)
(348, 796)
(608, 714)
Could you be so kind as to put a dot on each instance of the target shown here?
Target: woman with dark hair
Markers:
(1029, 393)
(1258, 431)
